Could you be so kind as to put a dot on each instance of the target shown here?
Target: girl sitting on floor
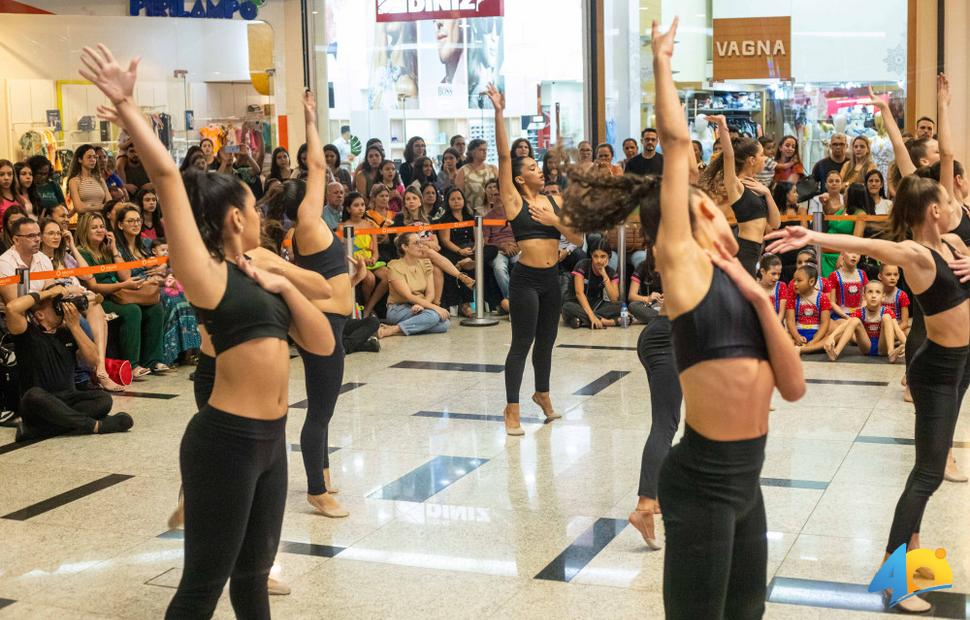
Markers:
(808, 311)
(769, 276)
(894, 298)
(592, 300)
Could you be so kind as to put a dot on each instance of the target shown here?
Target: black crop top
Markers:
(246, 312)
(963, 228)
(946, 291)
(328, 263)
(749, 206)
(524, 227)
(723, 325)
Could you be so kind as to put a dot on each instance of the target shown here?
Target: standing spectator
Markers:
(473, 176)
(649, 162)
(152, 227)
(699, 155)
(458, 144)
(336, 171)
(140, 312)
(345, 151)
(584, 158)
(8, 186)
(925, 128)
(837, 158)
(194, 158)
(451, 160)
(133, 173)
(209, 150)
(414, 149)
(409, 307)
(630, 150)
(51, 404)
(521, 147)
(551, 171)
(369, 170)
(604, 159)
(788, 163)
(85, 185)
(48, 190)
(26, 192)
(767, 174)
(244, 167)
(859, 165)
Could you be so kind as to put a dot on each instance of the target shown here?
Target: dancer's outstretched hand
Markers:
(101, 68)
(960, 266)
(730, 265)
(309, 106)
(496, 97)
(787, 239)
(663, 44)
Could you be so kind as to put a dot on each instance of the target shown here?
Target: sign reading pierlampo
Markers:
(752, 48)
(418, 10)
(202, 9)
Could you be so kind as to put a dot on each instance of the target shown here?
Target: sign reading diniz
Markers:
(417, 10)
(752, 48)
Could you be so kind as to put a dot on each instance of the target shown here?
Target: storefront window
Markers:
(836, 51)
(425, 75)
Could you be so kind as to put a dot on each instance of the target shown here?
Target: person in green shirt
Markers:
(48, 190)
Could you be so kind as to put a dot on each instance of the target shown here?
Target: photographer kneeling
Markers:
(47, 333)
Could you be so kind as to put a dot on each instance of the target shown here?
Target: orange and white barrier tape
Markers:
(58, 274)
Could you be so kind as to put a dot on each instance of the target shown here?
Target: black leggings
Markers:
(205, 378)
(716, 561)
(47, 414)
(938, 378)
(656, 353)
(749, 252)
(534, 304)
(234, 475)
(323, 374)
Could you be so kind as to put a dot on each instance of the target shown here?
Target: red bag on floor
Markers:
(119, 371)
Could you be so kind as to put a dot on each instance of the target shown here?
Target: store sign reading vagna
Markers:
(202, 9)
(419, 10)
(752, 48)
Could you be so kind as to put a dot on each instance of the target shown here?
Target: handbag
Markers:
(807, 188)
(148, 295)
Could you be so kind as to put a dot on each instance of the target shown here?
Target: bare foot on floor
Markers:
(643, 521)
(830, 350)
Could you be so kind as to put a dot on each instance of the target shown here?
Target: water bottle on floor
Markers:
(624, 316)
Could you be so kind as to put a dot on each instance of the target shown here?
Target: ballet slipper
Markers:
(911, 605)
(177, 519)
(327, 483)
(897, 353)
(326, 505)
(545, 402)
(642, 520)
(952, 472)
(829, 347)
(513, 426)
(277, 587)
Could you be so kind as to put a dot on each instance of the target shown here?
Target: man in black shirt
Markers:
(649, 162)
(50, 404)
(838, 146)
(135, 177)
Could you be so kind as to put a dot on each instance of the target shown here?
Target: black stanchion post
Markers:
(479, 319)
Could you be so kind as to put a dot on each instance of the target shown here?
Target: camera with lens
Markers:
(80, 302)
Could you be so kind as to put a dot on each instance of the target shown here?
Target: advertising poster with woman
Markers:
(394, 73)
(485, 49)
(443, 64)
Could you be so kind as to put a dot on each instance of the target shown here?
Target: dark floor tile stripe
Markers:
(154, 395)
(295, 447)
(456, 366)
(794, 484)
(346, 387)
(582, 550)
(847, 382)
(602, 383)
(428, 479)
(901, 441)
(66, 497)
(286, 546)
(596, 347)
(856, 597)
(10, 447)
(6, 602)
(478, 417)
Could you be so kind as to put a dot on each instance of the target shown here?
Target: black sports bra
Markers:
(723, 325)
(328, 263)
(946, 291)
(246, 312)
(524, 227)
(963, 228)
(749, 206)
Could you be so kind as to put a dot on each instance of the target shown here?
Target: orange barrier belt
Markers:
(397, 230)
(57, 274)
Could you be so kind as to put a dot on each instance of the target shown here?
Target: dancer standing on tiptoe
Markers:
(535, 300)
(233, 454)
(938, 374)
(715, 565)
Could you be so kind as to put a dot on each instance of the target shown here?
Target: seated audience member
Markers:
(423, 173)
(24, 253)
(504, 249)
(334, 207)
(8, 186)
(47, 334)
(458, 246)
(872, 327)
(380, 213)
(388, 176)
(57, 244)
(180, 339)
(374, 285)
(894, 298)
(10, 217)
(335, 171)
(451, 161)
(569, 253)
(48, 190)
(646, 294)
(85, 184)
(108, 165)
(195, 158)
(26, 192)
(136, 301)
(409, 307)
(593, 299)
(152, 227)
(431, 200)
(808, 310)
(769, 277)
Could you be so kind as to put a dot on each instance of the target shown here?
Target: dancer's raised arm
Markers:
(203, 278)
(511, 199)
(903, 160)
(311, 209)
(944, 139)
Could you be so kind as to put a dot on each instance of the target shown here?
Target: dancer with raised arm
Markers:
(233, 453)
(938, 374)
(535, 300)
(715, 564)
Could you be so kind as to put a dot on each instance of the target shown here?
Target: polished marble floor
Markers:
(451, 518)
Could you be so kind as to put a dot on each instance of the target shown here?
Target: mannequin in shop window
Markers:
(788, 163)
(85, 184)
